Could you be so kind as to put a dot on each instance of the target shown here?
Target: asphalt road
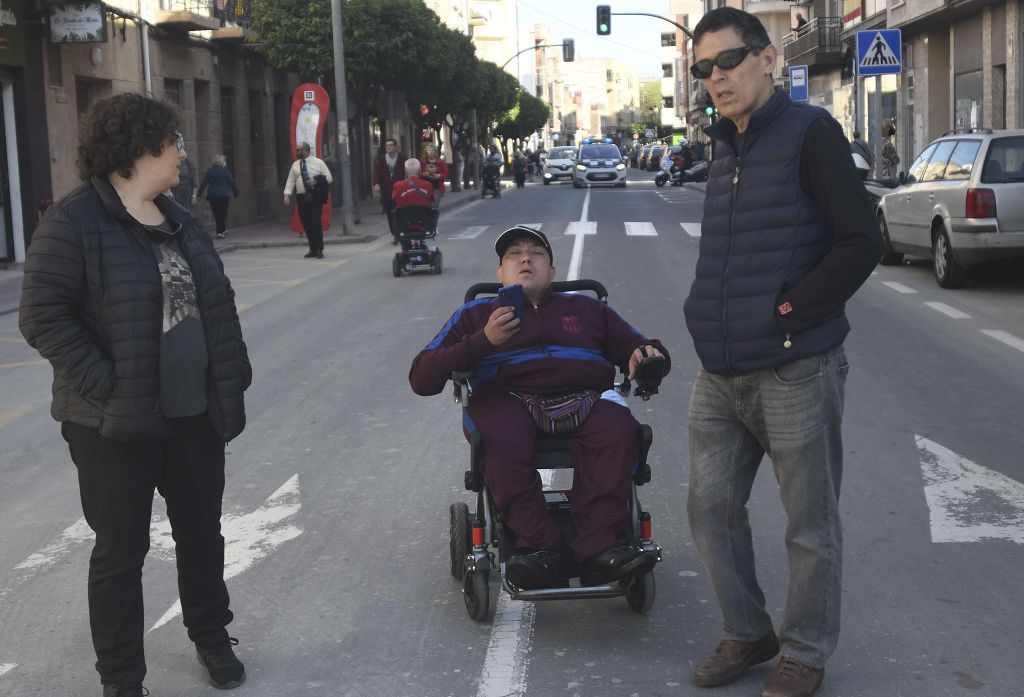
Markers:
(338, 491)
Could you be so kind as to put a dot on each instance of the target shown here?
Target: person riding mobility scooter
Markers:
(415, 222)
(534, 371)
(490, 177)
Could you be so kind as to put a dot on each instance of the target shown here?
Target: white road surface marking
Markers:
(535, 226)
(248, 538)
(948, 310)
(899, 287)
(74, 534)
(469, 233)
(1006, 337)
(5, 667)
(692, 229)
(641, 230)
(968, 502)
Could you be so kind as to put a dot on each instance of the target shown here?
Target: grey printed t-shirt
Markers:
(183, 353)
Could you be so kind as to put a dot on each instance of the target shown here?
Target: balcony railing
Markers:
(235, 18)
(815, 43)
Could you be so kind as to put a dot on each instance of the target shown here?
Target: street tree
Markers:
(524, 118)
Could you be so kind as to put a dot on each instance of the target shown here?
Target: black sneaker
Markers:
(128, 689)
(225, 670)
(541, 569)
(616, 564)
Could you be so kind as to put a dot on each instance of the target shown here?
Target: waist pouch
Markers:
(557, 414)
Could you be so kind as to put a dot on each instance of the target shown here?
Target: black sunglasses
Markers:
(726, 60)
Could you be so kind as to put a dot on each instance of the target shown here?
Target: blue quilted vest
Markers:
(760, 236)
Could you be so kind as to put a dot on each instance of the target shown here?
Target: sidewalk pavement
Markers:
(275, 233)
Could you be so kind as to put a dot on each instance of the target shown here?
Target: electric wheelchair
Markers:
(480, 542)
(415, 225)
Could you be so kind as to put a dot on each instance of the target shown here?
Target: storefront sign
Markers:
(12, 32)
(77, 22)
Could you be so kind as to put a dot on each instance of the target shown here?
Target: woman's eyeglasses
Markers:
(179, 141)
(726, 60)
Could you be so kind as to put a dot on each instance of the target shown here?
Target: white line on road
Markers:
(248, 538)
(692, 229)
(470, 233)
(74, 534)
(579, 232)
(1006, 337)
(899, 287)
(968, 502)
(535, 226)
(641, 230)
(12, 414)
(5, 667)
(948, 310)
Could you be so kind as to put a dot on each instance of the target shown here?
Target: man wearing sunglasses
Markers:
(787, 238)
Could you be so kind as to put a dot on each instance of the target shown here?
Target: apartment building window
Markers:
(668, 102)
(608, 77)
(873, 7)
(172, 91)
(967, 93)
(666, 70)
(668, 39)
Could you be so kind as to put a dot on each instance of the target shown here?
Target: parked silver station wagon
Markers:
(961, 203)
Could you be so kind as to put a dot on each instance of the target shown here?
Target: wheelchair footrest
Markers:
(611, 590)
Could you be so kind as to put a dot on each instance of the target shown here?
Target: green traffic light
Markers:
(602, 29)
(709, 110)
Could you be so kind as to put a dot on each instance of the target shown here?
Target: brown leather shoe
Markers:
(732, 657)
(792, 679)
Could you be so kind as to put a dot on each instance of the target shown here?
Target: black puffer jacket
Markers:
(92, 304)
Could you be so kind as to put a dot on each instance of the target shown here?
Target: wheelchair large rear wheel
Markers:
(476, 593)
(396, 267)
(459, 540)
(437, 263)
(640, 594)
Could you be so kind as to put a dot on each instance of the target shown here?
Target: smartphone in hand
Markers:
(512, 296)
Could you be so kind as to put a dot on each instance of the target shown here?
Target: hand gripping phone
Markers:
(512, 296)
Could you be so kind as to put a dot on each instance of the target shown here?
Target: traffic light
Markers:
(568, 50)
(604, 20)
(709, 110)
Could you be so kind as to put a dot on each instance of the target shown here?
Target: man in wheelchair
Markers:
(546, 371)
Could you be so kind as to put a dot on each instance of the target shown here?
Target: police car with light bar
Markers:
(599, 162)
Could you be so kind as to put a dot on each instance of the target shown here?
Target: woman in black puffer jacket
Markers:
(126, 297)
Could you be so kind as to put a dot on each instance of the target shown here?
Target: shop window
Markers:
(967, 94)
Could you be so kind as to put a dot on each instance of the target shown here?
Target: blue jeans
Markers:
(794, 414)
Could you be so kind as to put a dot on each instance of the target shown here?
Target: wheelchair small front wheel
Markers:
(476, 593)
(640, 593)
(458, 538)
(396, 267)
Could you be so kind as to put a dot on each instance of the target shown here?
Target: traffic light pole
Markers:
(531, 48)
(648, 14)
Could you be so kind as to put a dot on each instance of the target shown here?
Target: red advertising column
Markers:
(310, 107)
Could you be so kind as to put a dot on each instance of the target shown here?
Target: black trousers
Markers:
(219, 208)
(117, 482)
(309, 214)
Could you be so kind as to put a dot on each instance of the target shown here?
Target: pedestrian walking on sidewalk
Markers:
(890, 159)
(219, 186)
(184, 192)
(144, 405)
(388, 168)
(769, 333)
(309, 178)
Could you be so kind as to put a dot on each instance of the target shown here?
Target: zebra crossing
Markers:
(644, 228)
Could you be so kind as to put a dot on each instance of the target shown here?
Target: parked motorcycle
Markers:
(697, 173)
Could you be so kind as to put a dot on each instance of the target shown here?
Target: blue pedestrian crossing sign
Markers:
(879, 52)
(798, 83)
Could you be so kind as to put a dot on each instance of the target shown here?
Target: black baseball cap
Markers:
(517, 233)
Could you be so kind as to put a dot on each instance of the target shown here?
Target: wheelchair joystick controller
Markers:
(648, 376)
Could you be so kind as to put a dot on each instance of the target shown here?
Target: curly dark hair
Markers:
(120, 130)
